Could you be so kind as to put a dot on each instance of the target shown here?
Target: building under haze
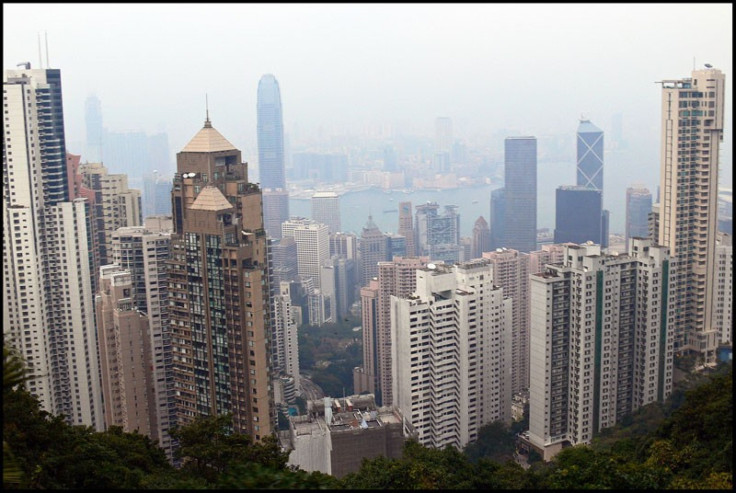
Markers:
(692, 132)
(578, 215)
(326, 210)
(638, 207)
(406, 227)
(48, 313)
(590, 169)
(271, 164)
(520, 184)
(218, 287)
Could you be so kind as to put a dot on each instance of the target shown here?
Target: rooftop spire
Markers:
(207, 123)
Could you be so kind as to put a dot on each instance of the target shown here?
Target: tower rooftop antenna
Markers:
(207, 122)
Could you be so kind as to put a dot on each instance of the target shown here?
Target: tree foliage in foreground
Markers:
(692, 448)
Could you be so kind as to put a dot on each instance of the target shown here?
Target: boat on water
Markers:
(386, 211)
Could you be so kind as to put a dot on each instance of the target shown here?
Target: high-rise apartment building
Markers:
(326, 210)
(723, 289)
(218, 289)
(271, 165)
(520, 184)
(638, 207)
(48, 311)
(450, 346)
(578, 215)
(115, 206)
(510, 271)
(143, 251)
(601, 341)
(125, 355)
(365, 378)
(284, 336)
(692, 132)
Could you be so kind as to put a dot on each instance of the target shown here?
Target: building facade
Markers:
(692, 132)
(218, 289)
(638, 207)
(47, 287)
(578, 215)
(451, 351)
(602, 343)
(520, 185)
(326, 210)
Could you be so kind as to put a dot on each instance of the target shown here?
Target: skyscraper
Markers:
(601, 341)
(218, 284)
(93, 124)
(451, 345)
(590, 168)
(271, 164)
(589, 156)
(406, 227)
(326, 210)
(520, 183)
(442, 144)
(47, 290)
(638, 207)
(481, 241)
(692, 132)
(578, 215)
(498, 217)
(312, 246)
(373, 249)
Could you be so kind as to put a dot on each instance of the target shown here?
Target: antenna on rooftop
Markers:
(47, 49)
(207, 111)
(40, 60)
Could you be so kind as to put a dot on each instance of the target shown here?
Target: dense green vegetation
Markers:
(687, 443)
(329, 353)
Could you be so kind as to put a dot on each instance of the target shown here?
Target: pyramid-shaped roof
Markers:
(208, 140)
(211, 199)
(586, 127)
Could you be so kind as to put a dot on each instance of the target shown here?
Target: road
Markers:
(310, 390)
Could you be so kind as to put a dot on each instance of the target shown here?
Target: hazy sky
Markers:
(532, 69)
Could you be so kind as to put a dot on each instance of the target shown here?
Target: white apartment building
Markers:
(285, 343)
(451, 352)
(47, 294)
(602, 341)
(692, 132)
(723, 289)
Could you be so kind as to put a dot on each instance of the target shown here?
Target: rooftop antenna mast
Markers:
(207, 111)
(40, 60)
(47, 48)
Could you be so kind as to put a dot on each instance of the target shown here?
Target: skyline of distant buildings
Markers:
(207, 298)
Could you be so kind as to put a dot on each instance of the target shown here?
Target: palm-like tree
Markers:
(14, 374)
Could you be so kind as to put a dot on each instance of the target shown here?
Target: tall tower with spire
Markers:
(218, 279)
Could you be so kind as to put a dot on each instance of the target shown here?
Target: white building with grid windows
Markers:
(451, 352)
